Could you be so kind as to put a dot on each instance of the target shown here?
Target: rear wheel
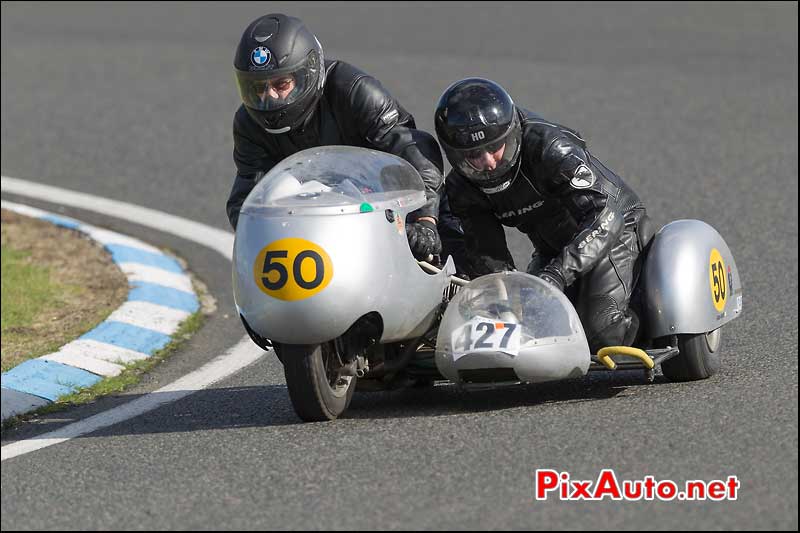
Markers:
(318, 389)
(699, 357)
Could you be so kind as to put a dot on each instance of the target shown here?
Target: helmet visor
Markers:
(275, 89)
(486, 163)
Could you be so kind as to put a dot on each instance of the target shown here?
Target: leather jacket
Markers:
(572, 207)
(355, 110)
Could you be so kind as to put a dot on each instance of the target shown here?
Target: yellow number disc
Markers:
(292, 269)
(718, 279)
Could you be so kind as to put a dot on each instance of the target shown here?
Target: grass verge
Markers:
(26, 289)
(57, 284)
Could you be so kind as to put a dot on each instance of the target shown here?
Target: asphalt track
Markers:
(694, 104)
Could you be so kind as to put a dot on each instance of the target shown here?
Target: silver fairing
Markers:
(334, 200)
(684, 291)
(511, 325)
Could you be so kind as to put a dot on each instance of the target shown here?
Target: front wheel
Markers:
(699, 357)
(317, 388)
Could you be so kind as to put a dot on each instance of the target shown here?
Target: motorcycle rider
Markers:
(293, 99)
(511, 167)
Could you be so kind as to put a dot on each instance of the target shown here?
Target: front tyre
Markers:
(317, 388)
(699, 357)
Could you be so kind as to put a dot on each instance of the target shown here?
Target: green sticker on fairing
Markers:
(367, 208)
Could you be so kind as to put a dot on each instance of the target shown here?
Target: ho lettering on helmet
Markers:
(478, 135)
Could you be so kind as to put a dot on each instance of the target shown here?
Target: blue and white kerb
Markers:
(160, 298)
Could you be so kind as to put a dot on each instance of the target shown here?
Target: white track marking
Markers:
(151, 316)
(144, 273)
(242, 354)
(30, 211)
(85, 362)
(112, 237)
(103, 351)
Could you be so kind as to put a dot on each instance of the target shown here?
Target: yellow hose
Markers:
(604, 356)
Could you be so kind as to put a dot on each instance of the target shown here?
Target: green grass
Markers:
(26, 290)
(29, 294)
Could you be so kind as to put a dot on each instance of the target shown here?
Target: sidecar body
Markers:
(321, 242)
(510, 327)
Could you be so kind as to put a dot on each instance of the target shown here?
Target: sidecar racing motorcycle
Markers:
(323, 274)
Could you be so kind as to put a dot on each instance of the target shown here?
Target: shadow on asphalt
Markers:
(265, 406)
(445, 400)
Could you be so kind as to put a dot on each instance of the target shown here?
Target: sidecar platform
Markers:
(611, 358)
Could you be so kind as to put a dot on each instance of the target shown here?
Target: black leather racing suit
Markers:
(452, 236)
(584, 222)
(355, 110)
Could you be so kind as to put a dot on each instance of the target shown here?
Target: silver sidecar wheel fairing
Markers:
(511, 326)
(691, 281)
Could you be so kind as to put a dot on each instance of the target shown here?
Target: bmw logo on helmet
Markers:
(260, 56)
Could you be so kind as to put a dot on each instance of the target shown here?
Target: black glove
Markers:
(553, 278)
(423, 239)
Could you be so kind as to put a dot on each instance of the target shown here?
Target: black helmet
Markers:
(278, 52)
(476, 119)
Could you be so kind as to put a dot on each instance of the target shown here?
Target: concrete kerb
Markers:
(160, 298)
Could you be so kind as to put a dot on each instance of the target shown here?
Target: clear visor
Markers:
(486, 162)
(275, 89)
(487, 157)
